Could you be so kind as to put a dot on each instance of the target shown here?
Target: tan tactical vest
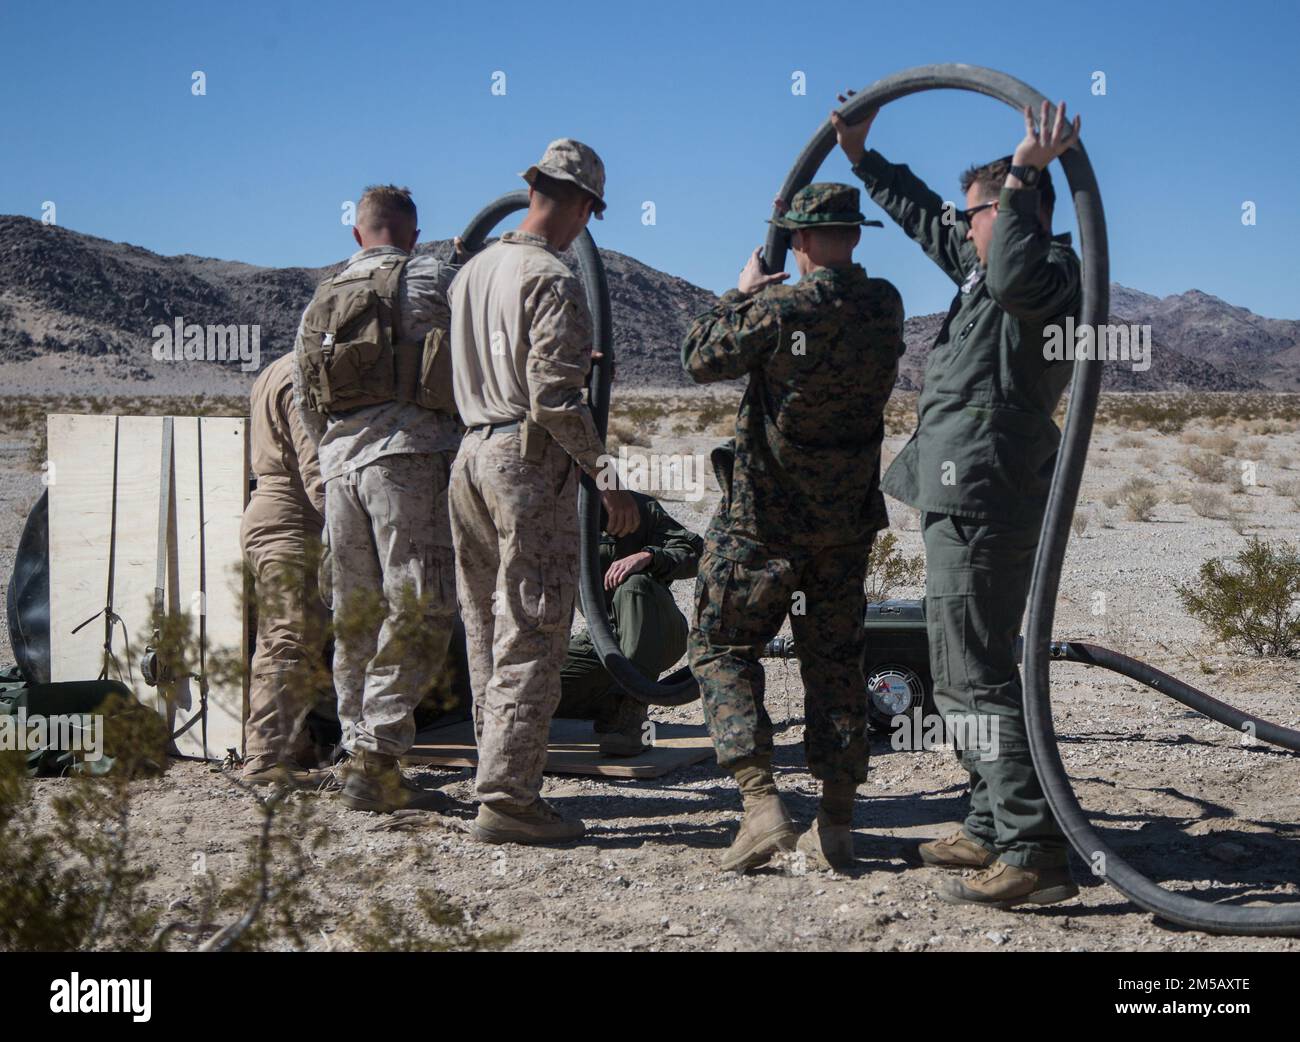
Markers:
(354, 351)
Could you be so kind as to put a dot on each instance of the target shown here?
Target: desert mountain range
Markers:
(77, 314)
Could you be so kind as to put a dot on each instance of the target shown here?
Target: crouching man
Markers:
(639, 569)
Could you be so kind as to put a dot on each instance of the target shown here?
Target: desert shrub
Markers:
(1079, 523)
(1206, 466)
(1110, 498)
(1211, 503)
(1140, 504)
(1130, 440)
(1252, 602)
(1288, 487)
(624, 432)
(1140, 498)
(889, 568)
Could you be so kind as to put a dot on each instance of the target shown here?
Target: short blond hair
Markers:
(387, 206)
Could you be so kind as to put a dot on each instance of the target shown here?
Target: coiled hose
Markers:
(1066, 478)
(677, 688)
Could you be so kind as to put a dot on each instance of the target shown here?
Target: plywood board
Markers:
(79, 471)
(573, 749)
(209, 466)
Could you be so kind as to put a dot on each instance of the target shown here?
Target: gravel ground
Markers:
(1178, 795)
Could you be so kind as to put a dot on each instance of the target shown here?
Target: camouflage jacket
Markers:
(521, 344)
(821, 357)
(985, 442)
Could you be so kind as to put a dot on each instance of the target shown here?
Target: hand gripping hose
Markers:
(1175, 907)
(677, 688)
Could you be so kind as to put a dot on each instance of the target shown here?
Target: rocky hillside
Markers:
(77, 315)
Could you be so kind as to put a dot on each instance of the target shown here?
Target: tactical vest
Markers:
(354, 352)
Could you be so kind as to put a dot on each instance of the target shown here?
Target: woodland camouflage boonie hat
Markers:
(568, 160)
(824, 205)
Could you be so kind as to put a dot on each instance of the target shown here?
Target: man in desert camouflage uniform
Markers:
(521, 350)
(386, 468)
(279, 536)
(798, 516)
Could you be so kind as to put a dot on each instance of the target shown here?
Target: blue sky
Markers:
(689, 104)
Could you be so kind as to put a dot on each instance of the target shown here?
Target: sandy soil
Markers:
(1178, 795)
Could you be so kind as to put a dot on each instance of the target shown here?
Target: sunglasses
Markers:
(968, 214)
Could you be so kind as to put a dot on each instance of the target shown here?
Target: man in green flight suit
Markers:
(794, 528)
(978, 467)
(639, 569)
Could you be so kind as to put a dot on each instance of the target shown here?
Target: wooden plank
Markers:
(573, 748)
(185, 582)
(211, 491)
(139, 483)
(224, 443)
(80, 475)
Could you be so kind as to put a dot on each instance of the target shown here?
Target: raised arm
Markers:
(938, 228)
(737, 333)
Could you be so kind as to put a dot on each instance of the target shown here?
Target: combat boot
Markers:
(628, 734)
(537, 824)
(956, 851)
(289, 775)
(373, 782)
(828, 843)
(765, 827)
(1004, 886)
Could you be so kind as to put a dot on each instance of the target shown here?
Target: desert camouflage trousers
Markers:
(739, 608)
(515, 526)
(277, 536)
(394, 594)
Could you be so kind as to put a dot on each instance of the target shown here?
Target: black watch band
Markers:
(1028, 175)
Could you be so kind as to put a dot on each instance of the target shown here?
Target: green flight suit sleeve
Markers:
(736, 335)
(676, 550)
(1024, 276)
(920, 212)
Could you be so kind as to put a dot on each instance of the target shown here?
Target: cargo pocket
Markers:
(543, 596)
(440, 580)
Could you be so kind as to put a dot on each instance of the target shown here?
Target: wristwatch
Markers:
(1028, 175)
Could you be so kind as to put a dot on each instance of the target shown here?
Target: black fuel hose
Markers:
(677, 688)
(1066, 478)
(1193, 698)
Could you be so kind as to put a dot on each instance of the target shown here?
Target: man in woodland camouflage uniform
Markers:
(521, 346)
(385, 465)
(793, 531)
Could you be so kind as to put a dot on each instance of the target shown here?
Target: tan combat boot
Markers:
(956, 851)
(765, 827)
(537, 824)
(628, 735)
(828, 843)
(374, 782)
(1005, 886)
(289, 775)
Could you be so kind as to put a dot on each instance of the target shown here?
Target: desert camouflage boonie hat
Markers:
(824, 205)
(569, 160)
